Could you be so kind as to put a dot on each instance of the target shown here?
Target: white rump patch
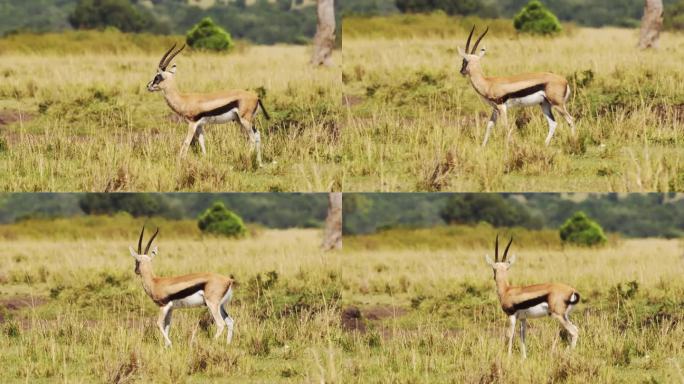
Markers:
(539, 310)
(194, 300)
(533, 99)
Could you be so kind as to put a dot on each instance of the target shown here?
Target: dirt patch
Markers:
(9, 116)
(351, 100)
(19, 302)
(352, 320)
(383, 312)
(355, 319)
(675, 112)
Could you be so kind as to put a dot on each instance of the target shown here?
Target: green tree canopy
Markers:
(579, 229)
(121, 14)
(536, 18)
(219, 220)
(207, 35)
(137, 204)
(472, 208)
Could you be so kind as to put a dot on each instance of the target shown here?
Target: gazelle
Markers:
(531, 301)
(542, 88)
(200, 109)
(193, 290)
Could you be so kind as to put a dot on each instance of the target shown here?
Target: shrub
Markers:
(207, 35)
(536, 18)
(221, 221)
(581, 230)
(121, 14)
(674, 16)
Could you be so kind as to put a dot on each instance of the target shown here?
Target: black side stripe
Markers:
(526, 304)
(521, 93)
(184, 293)
(218, 111)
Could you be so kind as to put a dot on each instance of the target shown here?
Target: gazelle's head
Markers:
(471, 58)
(164, 74)
(143, 258)
(500, 266)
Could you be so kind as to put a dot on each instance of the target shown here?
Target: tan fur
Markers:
(190, 106)
(493, 89)
(556, 295)
(161, 290)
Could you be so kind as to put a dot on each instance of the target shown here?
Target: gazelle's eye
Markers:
(158, 79)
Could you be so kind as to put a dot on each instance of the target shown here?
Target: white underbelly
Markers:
(193, 300)
(539, 310)
(533, 99)
(227, 117)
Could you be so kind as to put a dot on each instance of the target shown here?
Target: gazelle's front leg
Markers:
(192, 128)
(511, 332)
(490, 124)
(164, 322)
(200, 139)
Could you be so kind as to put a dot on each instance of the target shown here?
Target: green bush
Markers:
(221, 221)
(207, 35)
(581, 230)
(536, 18)
(674, 16)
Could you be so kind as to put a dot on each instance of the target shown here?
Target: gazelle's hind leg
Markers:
(254, 136)
(570, 327)
(523, 334)
(548, 113)
(571, 122)
(214, 310)
(228, 320)
(200, 139)
(511, 332)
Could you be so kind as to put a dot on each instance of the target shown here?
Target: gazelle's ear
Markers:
(173, 69)
(511, 260)
(133, 252)
(482, 52)
(155, 250)
(489, 260)
(461, 52)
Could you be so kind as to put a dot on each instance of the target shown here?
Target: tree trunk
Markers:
(651, 24)
(324, 42)
(333, 223)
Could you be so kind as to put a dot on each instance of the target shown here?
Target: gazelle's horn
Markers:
(469, 37)
(161, 62)
(140, 240)
(496, 249)
(149, 243)
(168, 61)
(506, 250)
(478, 41)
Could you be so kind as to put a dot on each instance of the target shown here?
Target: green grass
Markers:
(88, 124)
(414, 123)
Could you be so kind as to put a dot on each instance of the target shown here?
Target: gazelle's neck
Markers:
(173, 97)
(501, 284)
(147, 276)
(478, 80)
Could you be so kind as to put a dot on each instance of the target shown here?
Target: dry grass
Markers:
(96, 323)
(411, 107)
(444, 323)
(92, 125)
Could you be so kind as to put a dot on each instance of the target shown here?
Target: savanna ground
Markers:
(73, 310)
(75, 115)
(414, 123)
(424, 307)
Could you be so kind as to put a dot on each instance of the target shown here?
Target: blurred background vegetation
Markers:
(624, 13)
(276, 210)
(257, 21)
(630, 215)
